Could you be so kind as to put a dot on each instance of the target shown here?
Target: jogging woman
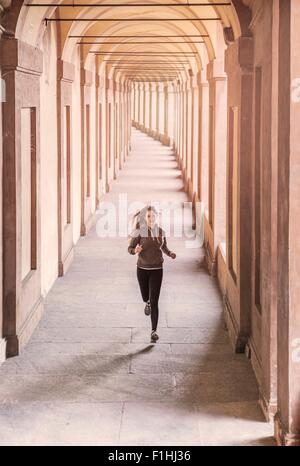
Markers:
(148, 241)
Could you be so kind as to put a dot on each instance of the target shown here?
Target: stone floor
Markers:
(89, 374)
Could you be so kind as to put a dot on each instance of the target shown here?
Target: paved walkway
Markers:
(89, 374)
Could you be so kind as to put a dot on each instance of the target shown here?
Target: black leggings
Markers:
(150, 284)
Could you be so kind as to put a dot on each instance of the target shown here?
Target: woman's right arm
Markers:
(133, 242)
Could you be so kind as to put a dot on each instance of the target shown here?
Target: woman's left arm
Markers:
(166, 250)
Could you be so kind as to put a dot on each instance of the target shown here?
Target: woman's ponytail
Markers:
(136, 221)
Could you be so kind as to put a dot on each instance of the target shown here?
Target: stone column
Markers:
(124, 117)
(138, 93)
(239, 69)
(2, 340)
(189, 145)
(262, 345)
(133, 99)
(65, 77)
(86, 80)
(153, 110)
(177, 120)
(180, 124)
(203, 140)
(107, 134)
(287, 420)
(194, 116)
(215, 224)
(116, 132)
(119, 116)
(195, 150)
(180, 130)
(129, 91)
(182, 127)
(124, 121)
(97, 137)
(200, 149)
(150, 109)
(165, 105)
(144, 107)
(157, 111)
(21, 66)
(138, 103)
(147, 108)
(190, 138)
(133, 104)
(171, 115)
(141, 110)
(161, 111)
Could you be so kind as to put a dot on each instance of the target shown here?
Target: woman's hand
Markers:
(138, 249)
(173, 255)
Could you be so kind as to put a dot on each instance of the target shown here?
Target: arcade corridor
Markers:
(89, 374)
(151, 100)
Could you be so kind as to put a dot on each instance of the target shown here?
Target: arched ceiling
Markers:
(139, 39)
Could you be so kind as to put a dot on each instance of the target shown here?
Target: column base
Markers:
(152, 133)
(179, 162)
(164, 139)
(282, 436)
(2, 350)
(237, 340)
(66, 262)
(268, 407)
(209, 259)
(138, 126)
(16, 343)
(86, 226)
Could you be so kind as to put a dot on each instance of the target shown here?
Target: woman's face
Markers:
(150, 218)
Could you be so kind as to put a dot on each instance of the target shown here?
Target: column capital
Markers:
(20, 56)
(65, 71)
(107, 83)
(240, 53)
(101, 82)
(215, 70)
(171, 87)
(201, 77)
(86, 77)
(153, 87)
